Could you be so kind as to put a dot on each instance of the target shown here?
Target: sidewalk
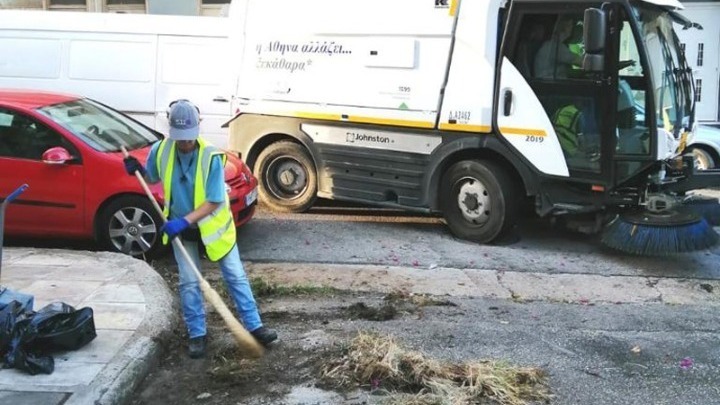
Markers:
(133, 310)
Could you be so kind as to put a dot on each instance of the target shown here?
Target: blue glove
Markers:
(173, 227)
(132, 165)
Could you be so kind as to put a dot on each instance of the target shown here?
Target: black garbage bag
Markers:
(27, 338)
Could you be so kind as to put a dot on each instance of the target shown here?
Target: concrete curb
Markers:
(126, 371)
(519, 286)
(118, 381)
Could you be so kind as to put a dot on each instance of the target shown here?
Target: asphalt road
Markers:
(383, 237)
(356, 235)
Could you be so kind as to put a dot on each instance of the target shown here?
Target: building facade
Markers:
(176, 7)
(702, 50)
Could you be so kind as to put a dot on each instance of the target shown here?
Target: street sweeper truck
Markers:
(470, 108)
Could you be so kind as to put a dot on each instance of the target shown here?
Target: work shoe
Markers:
(196, 347)
(264, 335)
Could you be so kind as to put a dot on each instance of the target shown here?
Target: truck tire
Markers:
(130, 224)
(478, 200)
(287, 177)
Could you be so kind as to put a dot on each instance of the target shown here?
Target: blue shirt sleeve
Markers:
(215, 191)
(150, 166)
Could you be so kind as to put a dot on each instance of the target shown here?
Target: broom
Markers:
(659, 234)
(243, 338)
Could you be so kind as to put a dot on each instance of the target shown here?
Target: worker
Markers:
(568, 123)
(554, 58)
(197, 207)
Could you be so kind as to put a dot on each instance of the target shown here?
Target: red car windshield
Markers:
(102, 128)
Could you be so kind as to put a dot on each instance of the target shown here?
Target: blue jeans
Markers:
(237, 284)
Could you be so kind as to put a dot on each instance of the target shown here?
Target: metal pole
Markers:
(4, 204)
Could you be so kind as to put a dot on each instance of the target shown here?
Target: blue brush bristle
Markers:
(659, 240)
(707, 208)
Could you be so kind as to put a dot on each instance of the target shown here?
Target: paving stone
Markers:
(124, 316)
(17, 284)
(69, 292)
(101, 350)
(32, 398)
(66, 374)
(17, 271)
(118, 293)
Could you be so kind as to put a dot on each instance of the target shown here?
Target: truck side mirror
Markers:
(594, 29)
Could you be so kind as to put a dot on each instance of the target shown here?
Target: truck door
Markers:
(544, 91)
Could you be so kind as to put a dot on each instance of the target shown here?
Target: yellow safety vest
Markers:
(217, 230)
(567, 126)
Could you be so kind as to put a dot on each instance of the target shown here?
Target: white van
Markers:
(135, 63)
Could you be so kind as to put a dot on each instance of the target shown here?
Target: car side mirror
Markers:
(56, 156)
(594, 29)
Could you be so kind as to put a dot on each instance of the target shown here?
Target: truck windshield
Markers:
(101, 127)
(668, 69)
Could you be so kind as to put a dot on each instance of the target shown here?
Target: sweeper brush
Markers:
(659, 234)
(708, 208)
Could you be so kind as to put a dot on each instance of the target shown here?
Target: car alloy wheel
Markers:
(130, 225)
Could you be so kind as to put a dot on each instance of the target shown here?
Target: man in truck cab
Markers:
(554, 59)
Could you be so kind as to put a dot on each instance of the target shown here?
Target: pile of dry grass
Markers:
(410, 378)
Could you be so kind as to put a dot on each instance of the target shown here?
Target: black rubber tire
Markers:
(702, 158)
(301, 193)
(114, 236)
(498, 190)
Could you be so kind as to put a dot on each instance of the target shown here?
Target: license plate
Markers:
(251, 197)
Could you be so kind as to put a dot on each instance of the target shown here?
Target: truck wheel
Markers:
(703, 160)
(287, 178)
(130, 225)
(478, 200)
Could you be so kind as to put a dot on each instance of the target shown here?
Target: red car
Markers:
(67, 149)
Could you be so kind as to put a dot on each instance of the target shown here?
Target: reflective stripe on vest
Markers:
(566, 122)
(217, 230)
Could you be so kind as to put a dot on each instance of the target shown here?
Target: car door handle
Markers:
(507, 102)
(221, 99)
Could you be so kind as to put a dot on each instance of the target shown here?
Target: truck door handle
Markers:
(507, 102)
(220, 99)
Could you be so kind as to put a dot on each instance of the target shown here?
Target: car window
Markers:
(101, 127)
(24, 137)
(5, 119)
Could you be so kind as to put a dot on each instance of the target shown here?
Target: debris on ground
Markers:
(420, 300)
(360, 310)
(408, 377)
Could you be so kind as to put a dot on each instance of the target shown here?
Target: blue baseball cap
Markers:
(184, 121)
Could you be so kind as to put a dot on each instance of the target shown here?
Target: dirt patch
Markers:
(395, 304)
(224, 376)
(360, 310)
(315, 326)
